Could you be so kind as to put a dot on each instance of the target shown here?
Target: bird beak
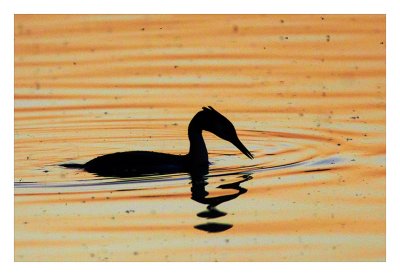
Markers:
(242, 148)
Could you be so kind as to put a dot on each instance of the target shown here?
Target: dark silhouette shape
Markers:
(139, 163)
(211, 213)
(199, 194)
(214, 227)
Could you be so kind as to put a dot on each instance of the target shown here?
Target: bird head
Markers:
(216, 123)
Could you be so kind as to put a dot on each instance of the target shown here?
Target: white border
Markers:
(7, 10)
(200, 6)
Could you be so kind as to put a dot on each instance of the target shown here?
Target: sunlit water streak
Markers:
(306, 94)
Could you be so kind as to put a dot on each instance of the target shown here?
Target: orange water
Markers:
(305, 92)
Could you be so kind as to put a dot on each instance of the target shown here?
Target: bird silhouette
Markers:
(140, 163)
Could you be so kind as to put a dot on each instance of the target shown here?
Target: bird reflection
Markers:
(199, 194)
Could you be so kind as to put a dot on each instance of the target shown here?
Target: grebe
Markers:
(139, 163)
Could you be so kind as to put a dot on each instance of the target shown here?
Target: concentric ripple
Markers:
(277, 151)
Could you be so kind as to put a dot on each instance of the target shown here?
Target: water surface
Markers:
(306, 94)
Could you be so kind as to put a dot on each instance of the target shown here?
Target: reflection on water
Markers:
(200, 195)
(306, 94)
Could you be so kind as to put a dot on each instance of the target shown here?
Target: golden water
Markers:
(306, 94)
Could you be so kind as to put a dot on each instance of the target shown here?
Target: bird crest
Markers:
(211, 109)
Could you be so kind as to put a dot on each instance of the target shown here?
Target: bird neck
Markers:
(198, 155)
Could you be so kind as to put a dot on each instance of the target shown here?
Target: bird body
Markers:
(137, 163)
